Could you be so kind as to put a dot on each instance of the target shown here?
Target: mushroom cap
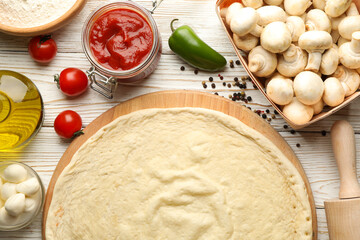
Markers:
(349, 25)
(280, 90)
(273, 2)
(335, 8)
(296, 7)
(253, 3)
(308, 87)
(244, 21)
(319, 4)
(297, 112)
(261, 62)
(334, 93)
(292, 61)
(330, 60)
(350, 52)
(231, 11)
(315, 40)
(276, 37)
(317, 19)
(318, 107)
(296, 26)
(245, 43)
(269, 14)
(349, 78)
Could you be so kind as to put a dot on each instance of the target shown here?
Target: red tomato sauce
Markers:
(121, 39)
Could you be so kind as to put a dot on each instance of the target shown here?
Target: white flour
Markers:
(32, 13)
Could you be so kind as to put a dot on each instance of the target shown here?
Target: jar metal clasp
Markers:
(105, 85)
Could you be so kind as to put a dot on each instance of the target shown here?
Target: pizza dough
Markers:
(181, 173)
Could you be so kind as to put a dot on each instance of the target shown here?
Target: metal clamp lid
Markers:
(106, 86)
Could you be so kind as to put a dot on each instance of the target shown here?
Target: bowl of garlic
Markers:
(22, 195)
(303, 55)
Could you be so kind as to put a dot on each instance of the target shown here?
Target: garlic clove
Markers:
(8, 190)
(28, 187)
(31, 204)
(15, 173)
(15, 205)
(5, 218)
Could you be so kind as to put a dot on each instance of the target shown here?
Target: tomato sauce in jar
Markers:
(121, 39)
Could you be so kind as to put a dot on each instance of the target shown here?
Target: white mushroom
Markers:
(297, 112)
(319, 4)
(349, 78)
(330, 60)
(308, 87)
(349, 25)
(253, 3)
(273, 2)
(261, 62)
(296, 7)
(315, 43)
(335, 8)
(296, 27)
(245, 43)
(341, 41)
(276, 37)
(350, 52)
(334, 93)
(292, 61)
(269, 14)
(336, 21)
(232, 10)
(245, 22)
(318, 107)
(280, 90)
(317, 19)
(335, 35)
(352, 10)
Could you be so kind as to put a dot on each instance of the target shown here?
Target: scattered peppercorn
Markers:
(221, 78)
(245, 100)
(234, 99)
(298, 145)
(323, 132)
(234, 84)
(237, 62)
(211, 79)
(213, 85)
(230, 96)
(292, 131)
(254, 86)
(224, 84)
(203, 82)
(269, 119)
(263, 116)
(231, 63)
(249, 98)
(273, 116)
(242, 93)
(229, 85)
(286, 126)
(249, 108)
(196, 71)
(267, 111)
(276, 112)
(241, 85)
(182, 68)
(205, 86)
(236, 79)
(243, 78)
(216, 93)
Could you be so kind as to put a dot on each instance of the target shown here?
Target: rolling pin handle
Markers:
(343, 141)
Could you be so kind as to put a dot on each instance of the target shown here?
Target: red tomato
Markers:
(72, 81)
(42, 48)
(68, 124)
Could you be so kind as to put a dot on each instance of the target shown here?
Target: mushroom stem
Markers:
(355, 42)
(314, 61)
(256, 64)
(290, 55)
(256, 31)
(352, 10)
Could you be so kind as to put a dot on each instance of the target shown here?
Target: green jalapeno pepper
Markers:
(188, 46)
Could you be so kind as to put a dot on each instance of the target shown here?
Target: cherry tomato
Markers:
(42, 48)
(68, 124)
(72, 81)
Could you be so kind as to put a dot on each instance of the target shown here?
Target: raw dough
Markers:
(181, 173)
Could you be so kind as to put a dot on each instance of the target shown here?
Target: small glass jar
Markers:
(27, 217)
(108, 79)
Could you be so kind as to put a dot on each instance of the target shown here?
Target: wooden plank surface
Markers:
(45, 150)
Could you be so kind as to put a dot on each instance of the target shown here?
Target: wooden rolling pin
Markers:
(343, 214)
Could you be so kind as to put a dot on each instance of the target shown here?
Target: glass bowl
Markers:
(29, 217)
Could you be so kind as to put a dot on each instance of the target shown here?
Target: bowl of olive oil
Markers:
(21, 110)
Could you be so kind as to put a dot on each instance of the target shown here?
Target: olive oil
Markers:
(21, 109)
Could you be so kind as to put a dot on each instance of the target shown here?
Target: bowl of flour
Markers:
(36, 17)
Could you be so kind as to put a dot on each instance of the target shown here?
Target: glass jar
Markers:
(21, 110)
(104, 80)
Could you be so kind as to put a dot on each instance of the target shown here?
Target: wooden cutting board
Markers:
(180, 98)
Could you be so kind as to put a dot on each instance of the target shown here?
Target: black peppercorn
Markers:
(213, 85)
(211, 79)
(237, 62)
(286, 126)
(249, 98)
(298, 145)
(182, 68)
(323, 132)
(196, 71)
(263, 116)
(292, 131)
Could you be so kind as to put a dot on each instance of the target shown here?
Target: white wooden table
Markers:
(46, 148)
